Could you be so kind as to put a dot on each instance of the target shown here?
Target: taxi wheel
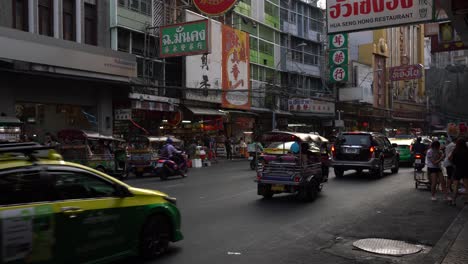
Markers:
(155, 237)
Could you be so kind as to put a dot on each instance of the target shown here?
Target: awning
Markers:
(260, 110)
(284, 113)
(205, 111)
(240, 112)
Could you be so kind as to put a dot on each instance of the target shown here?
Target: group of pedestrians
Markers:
(454, 157)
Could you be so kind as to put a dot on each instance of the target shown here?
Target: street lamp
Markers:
(273, 117)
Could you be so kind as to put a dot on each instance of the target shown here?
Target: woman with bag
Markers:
(459, 159)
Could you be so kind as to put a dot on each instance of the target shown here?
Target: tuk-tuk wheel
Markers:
(309, 192)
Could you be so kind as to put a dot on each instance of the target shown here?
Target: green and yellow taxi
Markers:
(53, 211)
(404, 149)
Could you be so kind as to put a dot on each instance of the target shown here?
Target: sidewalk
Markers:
(458, 250)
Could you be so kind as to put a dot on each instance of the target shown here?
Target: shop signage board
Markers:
(338, 57)
(235, 69)
(122, 114)
(311, 106)
(408, 72)
(204, 72)
(214, 7)
(189, 38)
(358, 15)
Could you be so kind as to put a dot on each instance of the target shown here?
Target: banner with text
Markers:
(355, 15)
(235, 69)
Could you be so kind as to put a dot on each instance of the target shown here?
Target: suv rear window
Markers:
(355, 139)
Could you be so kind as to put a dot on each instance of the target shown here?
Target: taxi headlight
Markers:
(172, 200)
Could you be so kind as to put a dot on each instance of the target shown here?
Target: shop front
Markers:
(48, 89)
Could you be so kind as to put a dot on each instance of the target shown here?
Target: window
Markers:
(45, 10)
(22, 187)
(138, 41)
(69, 20)
(122, 3)
(80, 185)
(123, 40)
(20, 16)
(90, 24)
(265, 47)
(292, 18)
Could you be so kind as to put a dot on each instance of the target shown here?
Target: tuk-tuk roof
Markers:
(284, 136)
(82, 134)
(163, 139)
(10, 120)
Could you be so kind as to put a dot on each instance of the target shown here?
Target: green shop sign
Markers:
(190, 38)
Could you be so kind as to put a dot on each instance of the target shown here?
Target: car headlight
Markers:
(172, 200)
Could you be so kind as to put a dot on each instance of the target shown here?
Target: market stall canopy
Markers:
(205, 111)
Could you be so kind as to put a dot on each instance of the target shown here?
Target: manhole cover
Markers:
(387, 246)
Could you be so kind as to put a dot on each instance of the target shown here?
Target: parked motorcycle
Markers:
(175, 166)
(419, 161)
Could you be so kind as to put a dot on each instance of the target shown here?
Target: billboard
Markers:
(311, 106)
(235, 69)
(204, 72)
(184, 39)
(406, 72)
(356, 15)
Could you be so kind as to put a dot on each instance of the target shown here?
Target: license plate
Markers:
(418, 161)
(277, 187)
(160, 165)
(351, 150)
(251, 158)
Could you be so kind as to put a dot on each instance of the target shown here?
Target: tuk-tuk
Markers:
(290, 163)
(144, 153)
(10, 129)
(100, 152)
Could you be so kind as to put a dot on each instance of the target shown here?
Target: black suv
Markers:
(364, 151)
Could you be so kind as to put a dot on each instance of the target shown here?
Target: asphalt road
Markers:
(225, 221)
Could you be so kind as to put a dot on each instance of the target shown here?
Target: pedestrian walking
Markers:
(228, 146)
(434, 159)
(459, 159)
(449, 165)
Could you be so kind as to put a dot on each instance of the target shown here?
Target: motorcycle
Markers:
(419, 161)
(253, 160)
(177, 165)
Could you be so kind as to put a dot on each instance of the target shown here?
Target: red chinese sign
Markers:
(408, 72)
(235, 68)
(214, 7)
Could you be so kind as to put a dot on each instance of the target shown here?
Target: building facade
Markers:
(57, 69)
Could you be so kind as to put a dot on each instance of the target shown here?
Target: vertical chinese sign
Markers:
(235, 69)
(338, 57)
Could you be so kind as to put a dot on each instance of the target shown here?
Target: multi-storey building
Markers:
(286, 56)
(56, 66)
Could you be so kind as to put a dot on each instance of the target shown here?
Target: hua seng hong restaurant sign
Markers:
(404, 73)
(355, 15)
(311, 106)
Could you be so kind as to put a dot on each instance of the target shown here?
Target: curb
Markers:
(438, 253)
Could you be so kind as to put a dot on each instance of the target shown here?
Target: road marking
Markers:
(234, 253)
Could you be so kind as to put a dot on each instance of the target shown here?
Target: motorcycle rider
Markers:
(168, 152)
(419, 147)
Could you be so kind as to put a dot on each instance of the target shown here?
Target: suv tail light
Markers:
(372, 152)
(333, 150)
